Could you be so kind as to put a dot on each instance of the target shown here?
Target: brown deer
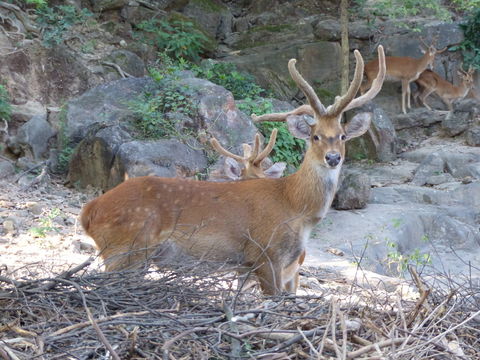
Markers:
(253, 164)
(261, 224)
(430, 82)
(402, 68)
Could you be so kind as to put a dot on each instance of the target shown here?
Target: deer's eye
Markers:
(343, 137)
(316, 138)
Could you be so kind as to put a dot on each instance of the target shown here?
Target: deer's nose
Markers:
(333, 158)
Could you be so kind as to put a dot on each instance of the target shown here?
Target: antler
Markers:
(341, 103)
(216, 145)
(249, 156)
(301, 110)
(312, 98)
(376, 84)
(268, 149)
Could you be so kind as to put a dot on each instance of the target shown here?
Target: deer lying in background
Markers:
(261, 224)
(253, 162)
(402, 68)
(430, 82)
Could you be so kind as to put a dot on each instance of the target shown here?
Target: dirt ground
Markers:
(39, 228)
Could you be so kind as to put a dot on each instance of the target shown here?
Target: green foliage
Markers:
(150, 111)
(287, 147)
(179, 38)
(400, 9)
(400, 262)
(470, 46)
(65, 148)
(57, 20)
(46, 224)
(241, 84)
(5, 107)
(37, 3)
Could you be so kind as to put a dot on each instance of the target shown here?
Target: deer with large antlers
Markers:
(430, 82)
(253, 164)
(261, 224)
(402, 68)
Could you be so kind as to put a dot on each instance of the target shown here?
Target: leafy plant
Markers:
(150, 109)
(37, 3)
(401, 261)
(57, 20)
(46, 224)
(5, 107)
(179, 38)
(241, 84)
(470, 46)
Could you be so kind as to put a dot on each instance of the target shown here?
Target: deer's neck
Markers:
(312, 188)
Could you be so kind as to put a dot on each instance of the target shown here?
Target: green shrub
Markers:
(150, 109)
(179, 38)
(57, 20)
(5, 107)
(470, 46)
(241, 84)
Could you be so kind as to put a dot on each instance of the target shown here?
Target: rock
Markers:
(327, 30)
(353, 191)
(24, 112)
(32, 137)
(214, 17)
(167, 158)
(472, 136)
(92, 159)
(379, 143)
(35, 208)
(6, 169)
(104, 5)
(128, 61)
(11, 225)
(456, 123)
(432, 165)
(105, 104)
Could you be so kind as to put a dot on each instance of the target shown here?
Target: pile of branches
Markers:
(178, 314)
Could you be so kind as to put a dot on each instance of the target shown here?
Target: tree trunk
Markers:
(345, 46)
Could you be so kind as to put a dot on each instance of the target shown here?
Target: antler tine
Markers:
(256, 148)
(301, 110)
(340, 104)
(312, 98)
(216, 145)
(423, 42)
(376, 84)
(268, 149)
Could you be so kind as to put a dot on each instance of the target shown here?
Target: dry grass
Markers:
(85, 314)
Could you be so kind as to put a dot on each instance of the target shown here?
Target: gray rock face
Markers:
(105, 104)
(108, 153)
(6, 169)
(33, 136)
(353, 191)
(473, 136)
(379, 143)
(128, 61)
(167, 158)
(92, 160)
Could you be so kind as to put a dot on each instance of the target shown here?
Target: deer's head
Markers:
(325, 132)
(430, 51)
(253, 164)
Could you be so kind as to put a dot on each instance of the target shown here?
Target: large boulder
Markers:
(379, 143)
(165, 157)
(32, 138)
(107, 153)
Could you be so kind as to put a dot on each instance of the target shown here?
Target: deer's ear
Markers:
(276, 170)
(232, 169)
(358, 125)
(298, 127)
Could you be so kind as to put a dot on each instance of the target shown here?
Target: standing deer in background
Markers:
(261, 224)
(402, 68)
(252, 164)
(430, 82)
